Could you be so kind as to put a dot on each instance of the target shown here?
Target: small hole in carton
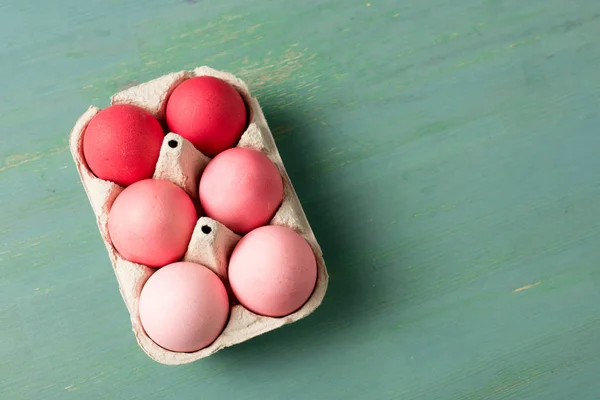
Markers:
(173, 144)
(206, 229)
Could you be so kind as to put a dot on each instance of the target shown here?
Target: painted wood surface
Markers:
(447, 156)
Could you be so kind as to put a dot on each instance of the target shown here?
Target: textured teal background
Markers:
(446, 154)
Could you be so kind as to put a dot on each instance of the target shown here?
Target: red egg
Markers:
(241, 188)
(208, 112)
(272, 271)
(122, 144)
(151, 222)
(183, 307)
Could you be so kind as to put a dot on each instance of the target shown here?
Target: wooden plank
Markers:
(446, 154)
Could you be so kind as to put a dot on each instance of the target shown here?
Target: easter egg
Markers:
(241, 188)
(122, 144)
(208, 112)
(272, 271)
(183, 307)
(151, 222)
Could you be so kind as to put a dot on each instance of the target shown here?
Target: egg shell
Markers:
(179, 165)
(151, 222)
(207, 111)
(122, 143)
(241, 188)
(272, 271)
(183, 307)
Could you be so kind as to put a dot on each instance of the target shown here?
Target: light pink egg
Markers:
(241, 188)
(151, 222)
(183, 307)
(272, 271)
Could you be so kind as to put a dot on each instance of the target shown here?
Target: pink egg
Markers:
(208, 112)
(122, 144)
(272, 271)
(241, 188)
(183, 307)
(151, 222)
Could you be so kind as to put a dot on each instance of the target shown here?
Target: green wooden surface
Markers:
(447, 156)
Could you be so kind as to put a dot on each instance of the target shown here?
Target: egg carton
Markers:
(212, 243)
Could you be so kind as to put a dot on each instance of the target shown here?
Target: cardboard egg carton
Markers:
(212, 243)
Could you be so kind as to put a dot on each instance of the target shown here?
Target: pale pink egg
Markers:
(183, 307)
(272, 271)
(151, 222)
(241, 188)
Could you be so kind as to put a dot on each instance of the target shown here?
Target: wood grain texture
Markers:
(446, 154)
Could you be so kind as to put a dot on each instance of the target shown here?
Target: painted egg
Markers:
(272, 271)
(151, 222)
(208, 112)
(241, 188)
(122, 144)
(183, 307)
